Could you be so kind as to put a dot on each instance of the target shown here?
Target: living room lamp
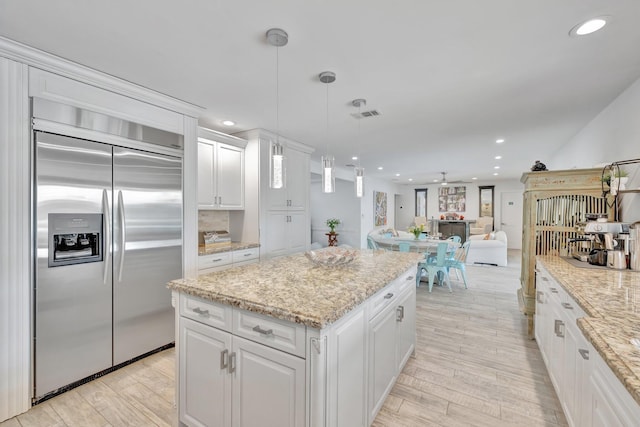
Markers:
(358, 170)
(278, 38)
(328, 168)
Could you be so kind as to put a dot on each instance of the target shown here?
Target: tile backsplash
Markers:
(213, 220)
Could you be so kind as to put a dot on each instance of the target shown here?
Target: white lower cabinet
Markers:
(226, 380)
(286, 232)
(589, 392)
(240, 368)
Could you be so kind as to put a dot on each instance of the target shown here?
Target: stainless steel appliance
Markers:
(610, 243)
(108, 225)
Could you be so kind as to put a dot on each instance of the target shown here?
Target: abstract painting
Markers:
(379, 208)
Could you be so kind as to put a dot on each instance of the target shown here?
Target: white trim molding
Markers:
(15, 268)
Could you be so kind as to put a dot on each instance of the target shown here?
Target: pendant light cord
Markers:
(327, 137)
(277, 94)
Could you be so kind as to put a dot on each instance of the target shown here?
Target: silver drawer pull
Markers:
(247, 254)
(544, 278)
(556, 328)
(539, 297)
(388, 296)
(400, 313)
(584, 353)
(232, 363)
(200, 311)
(259, 330)
(224, 359)
(567, 306)
(553, 290)
(410, 278)
(216, 260)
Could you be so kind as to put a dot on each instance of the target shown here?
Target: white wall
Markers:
(343, 204)
(366, 206)
(613, 135)
(472, 200)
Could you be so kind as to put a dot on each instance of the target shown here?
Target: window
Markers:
(486, 200)
(421, 202)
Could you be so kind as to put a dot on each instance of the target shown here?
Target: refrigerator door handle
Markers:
(123, 234)
(107, 234)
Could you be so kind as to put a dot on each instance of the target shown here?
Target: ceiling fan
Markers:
(444, 180)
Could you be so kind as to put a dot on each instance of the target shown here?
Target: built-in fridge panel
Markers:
(147, 192)
(72, 301)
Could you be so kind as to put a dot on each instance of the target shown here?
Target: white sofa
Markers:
(483, 225)
(491, 250)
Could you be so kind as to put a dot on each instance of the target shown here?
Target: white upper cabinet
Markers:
(220, 171)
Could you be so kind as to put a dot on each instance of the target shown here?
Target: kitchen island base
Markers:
(242, 368)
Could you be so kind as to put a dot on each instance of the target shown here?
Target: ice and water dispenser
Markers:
(75, 238)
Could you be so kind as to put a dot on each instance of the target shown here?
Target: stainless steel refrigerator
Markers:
(109, 238)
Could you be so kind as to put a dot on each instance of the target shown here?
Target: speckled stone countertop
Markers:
(293, 288)
(234, 246)
(611, 300)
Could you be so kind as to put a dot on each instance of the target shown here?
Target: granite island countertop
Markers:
(293, 288)
(611, 301)
(233, 246)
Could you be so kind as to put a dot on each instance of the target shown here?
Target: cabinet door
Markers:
(276, 239)
(205, 385)
(382, 358)
(406, 321)
(556, 347)
(229, 174)
(576, 371)
(206, 190)
(268, 387)
(298, 233)
(298, 178)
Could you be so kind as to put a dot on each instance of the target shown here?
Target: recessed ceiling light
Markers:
(397, 174)
(497, 157)
(475, 177)
(354, 158)
(590, 26)
(495, 173)
(228, 122)
(410, 179)
(496, 167)
(436, 180)
(499, 141)
(380, 168)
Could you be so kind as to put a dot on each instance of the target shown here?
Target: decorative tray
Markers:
(332, 256)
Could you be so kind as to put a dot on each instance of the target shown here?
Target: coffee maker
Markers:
(611, 243)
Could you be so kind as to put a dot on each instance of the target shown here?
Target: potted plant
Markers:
(416, 230)
(616, 178)
(332, 223)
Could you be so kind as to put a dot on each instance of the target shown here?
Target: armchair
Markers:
(483, 225)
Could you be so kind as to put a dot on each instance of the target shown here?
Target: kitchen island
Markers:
(587, 324)
(288, 343)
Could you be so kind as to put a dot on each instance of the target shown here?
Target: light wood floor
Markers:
(473, 366)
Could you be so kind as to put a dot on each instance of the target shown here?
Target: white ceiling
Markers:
(448, 77)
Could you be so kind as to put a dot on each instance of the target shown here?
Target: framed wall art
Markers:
(379, 208)
(452, 199)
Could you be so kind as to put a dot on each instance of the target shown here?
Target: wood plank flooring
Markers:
(473, 366)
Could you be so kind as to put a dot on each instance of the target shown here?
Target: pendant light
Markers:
(358, 170)
(328, 168)
(278, 38)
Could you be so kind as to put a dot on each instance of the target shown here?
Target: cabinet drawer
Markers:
(382, 299)
(406, 280)
(245, 255)
(279, 334)
(214, 260)
(207, 312)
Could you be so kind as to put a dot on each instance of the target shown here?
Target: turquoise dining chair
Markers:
(371, 244)
(458, 262)
(437, 266)
(404, 247)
